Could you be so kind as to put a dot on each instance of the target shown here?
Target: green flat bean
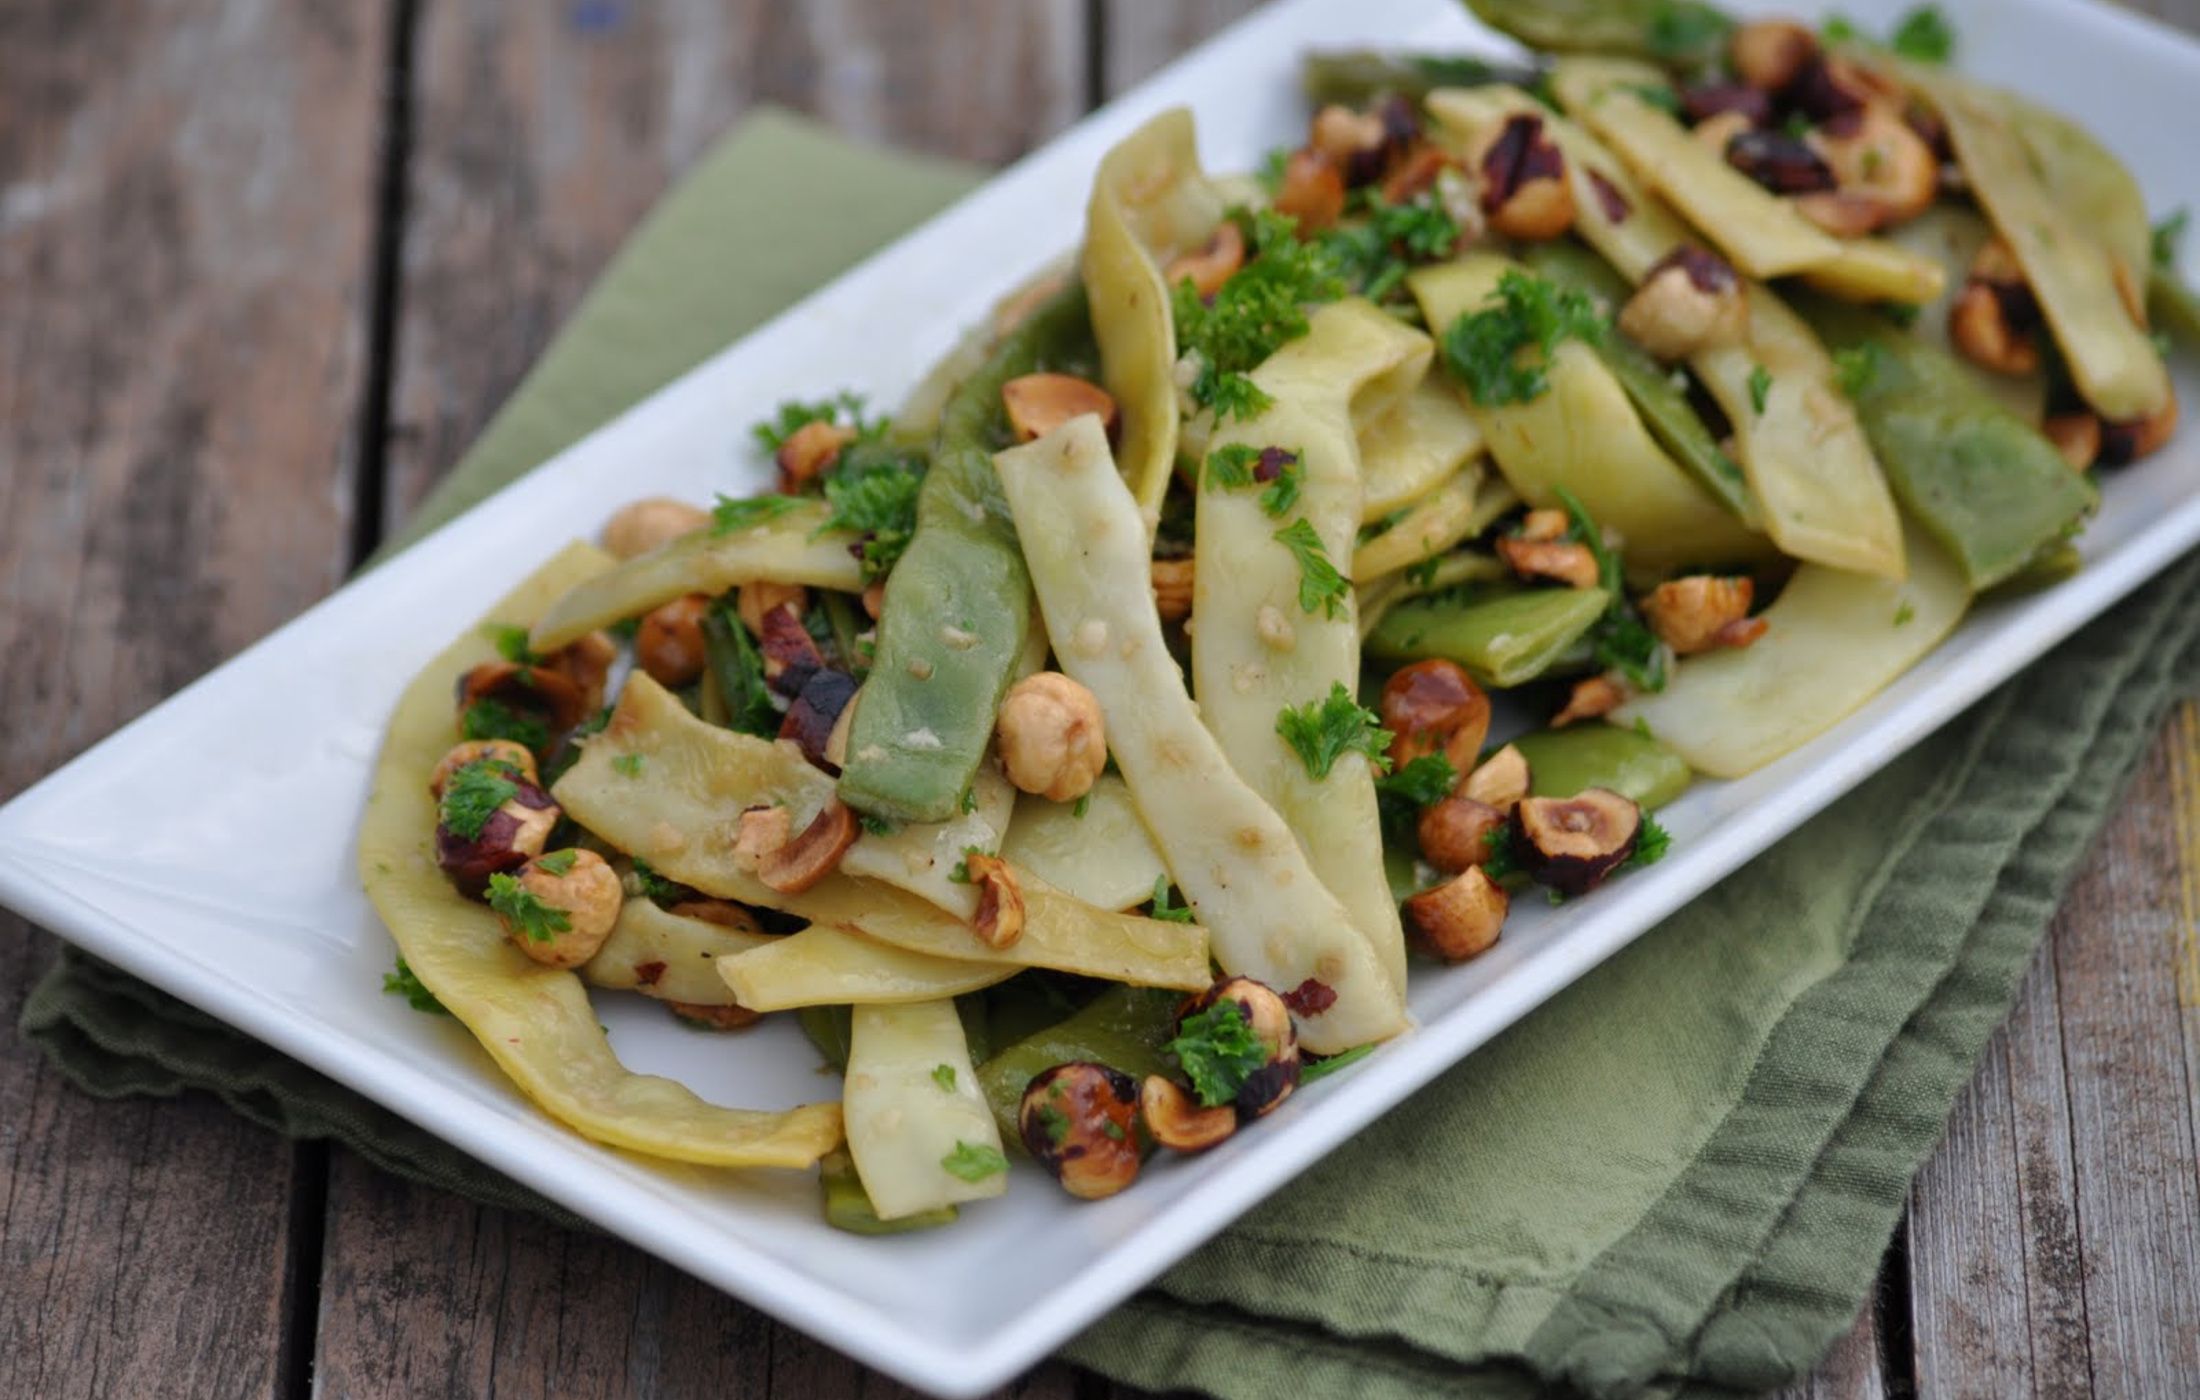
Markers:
(1982, 482)
(1679, 32)
(1562, 762)
(1354, 77)
(1123, 1028)
(958, 605)
(1503, 639)
(1665, 409)
(848, 1207)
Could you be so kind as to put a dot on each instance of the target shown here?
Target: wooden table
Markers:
(265, 270)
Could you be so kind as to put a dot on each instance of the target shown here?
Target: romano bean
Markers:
(1563, 762)
(1504, 639)
(1123, 1028)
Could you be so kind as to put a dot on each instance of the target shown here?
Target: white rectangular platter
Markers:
(228, 880)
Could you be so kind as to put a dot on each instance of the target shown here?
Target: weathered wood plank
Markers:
(1138, 37)
(542, 134)
(1854, 1370)
(185, 221)
(2055, 1237)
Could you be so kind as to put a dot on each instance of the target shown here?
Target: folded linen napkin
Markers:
(1677, 1177)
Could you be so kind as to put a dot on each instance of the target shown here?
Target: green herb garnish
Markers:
(1162, 909)
(1924, 36)
(876, 826)
(558, 862)
(1856, 369)
(524, 912)
(1313, 1069)
(1322, 731)
(510, 640)
(944, 1076)
(1682, 31)
(1484, 347)
(730, 515)
(1084, 805)
(2166, 236)
(629, 763)
(490, 718)
(472, 795)
(1503, 861)
(1053, 1122)
(880, 504)
(1904, 614)
(654, 887)
(974, 1162)
(1651, 843)
(1259, 309)
(405, 983)
(1760, 388)
(1322, 588)
(1620, 641)
(772, 433)
(1218, 1051)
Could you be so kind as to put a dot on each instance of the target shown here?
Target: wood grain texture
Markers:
(185, 219)
(1854, 1370)
(543, 133)
(1139, 36)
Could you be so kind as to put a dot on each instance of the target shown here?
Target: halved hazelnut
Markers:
(1781, 163)
(2076, 435)
(1568, 562)
(1416, 174)
(1501, 780)
(1832, 87)
(791, 655)
(1689, 614)
(1176, 1122)
(1080, 1121)
(1455, 833)
(800, 863)
(1460, 918)
(1690, 301)
(1592, 697)
(582, 891)
(1548, 523)
(1172, 588)
(1879, 165)
(537, 690)
(761, 831)
(1769, 54)
(815, 715)
(669, 643)
(472, 751)
(1434, 706)
(810, 451)
(1572, 843)
(1312, 193)
(2123, 443)
(1525, 191)
(1840, 213)
(1995, 319)
(586, 661)
(1000, 918)
(512, 834)
(1269, 1018)
(760, 596)
(1039, 403)
(730, 1017)
(1211, 264)
(641, 526)
(1053, 739)
(1343, 136)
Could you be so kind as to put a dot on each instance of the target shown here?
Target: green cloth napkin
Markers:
(1676, 1178)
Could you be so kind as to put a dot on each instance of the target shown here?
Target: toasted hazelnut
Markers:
(587, 661)
(514, 832)
(761, 831)
(1769, 54)
(1719, 131)
(641, 526)
(2076, 435)
(1080, 1121)
(1269, 1017)
(1501, 780)
(1525, 192)
(1995, 319)
(1434, 706)
(1704, 102)
(1176, 1122)
(1039, 403)
(722, 912)
(1690, 301)
(1831, 87)
(1312, 193)
(1688, 614)
(1455, 833)
(1567, 562)
(791, 655)
(669, 643)
(760, 596)
(795, 865)
(1341, 134)
(1740, 633)
(1000, 917)
(2123, 443)
(1053, 739)
(1172, 588)
(809, 452)
(581, 886)
(1572, 843)
(874, 599)
(537, 690)
(730, 1017)
(1460, 918)
(1781, 163)
(1879, 160)
(1840, 213)
(1592, 697)
(472, 751)
(1416, 174)
(1549, 523)
(815, 715)
(1212, 263)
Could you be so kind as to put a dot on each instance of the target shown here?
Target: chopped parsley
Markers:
(2167, 235)
(1905, 614)
(1259, 309)
(879, 504)
(1162, 909)
(629, 763)
(1322, 731)
(792, 416)
(1683, 31)
(970, 794)
(1484, 347)
(1856, 369)
(1620, 641)
(1659, 96)
(1503, 861)
(971, 1161)
(1322, 588)
(1236, 465)
(1084, 805)
(405, 983)
(558, 862)
(1423, 781)
(876, 826)
(738, 668)
(1924, 36)
(1374, 255)
(1760, 389)
(730, 515)
(1218, 1051)
(944, 1076)
(1270, 172)
(491, 718)
(961, 873)
(524, 912)
(1651, 843)
(1313, 1069)
(1053, 1122)
(473, 794)
(510, 640)
(654, 887)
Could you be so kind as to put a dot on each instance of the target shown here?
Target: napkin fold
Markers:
(1677, 1177)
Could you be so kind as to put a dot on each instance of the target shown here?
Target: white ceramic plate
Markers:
(208, 846)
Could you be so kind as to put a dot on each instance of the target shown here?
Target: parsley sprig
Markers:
(404, 982)
(1485, 347)
(491, 718)
(1162, 909)
(845, 408)
(1322, 731)
(1218, 1051)
(1374, 255)
(879, 503)
(1259, 309)
(510, 640)
(1622, 642)
(1423, 781)
(1322, 587)
(1856, 369)
(974, 1162)
(1235, 466)
(525, 912)
(472, 795)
